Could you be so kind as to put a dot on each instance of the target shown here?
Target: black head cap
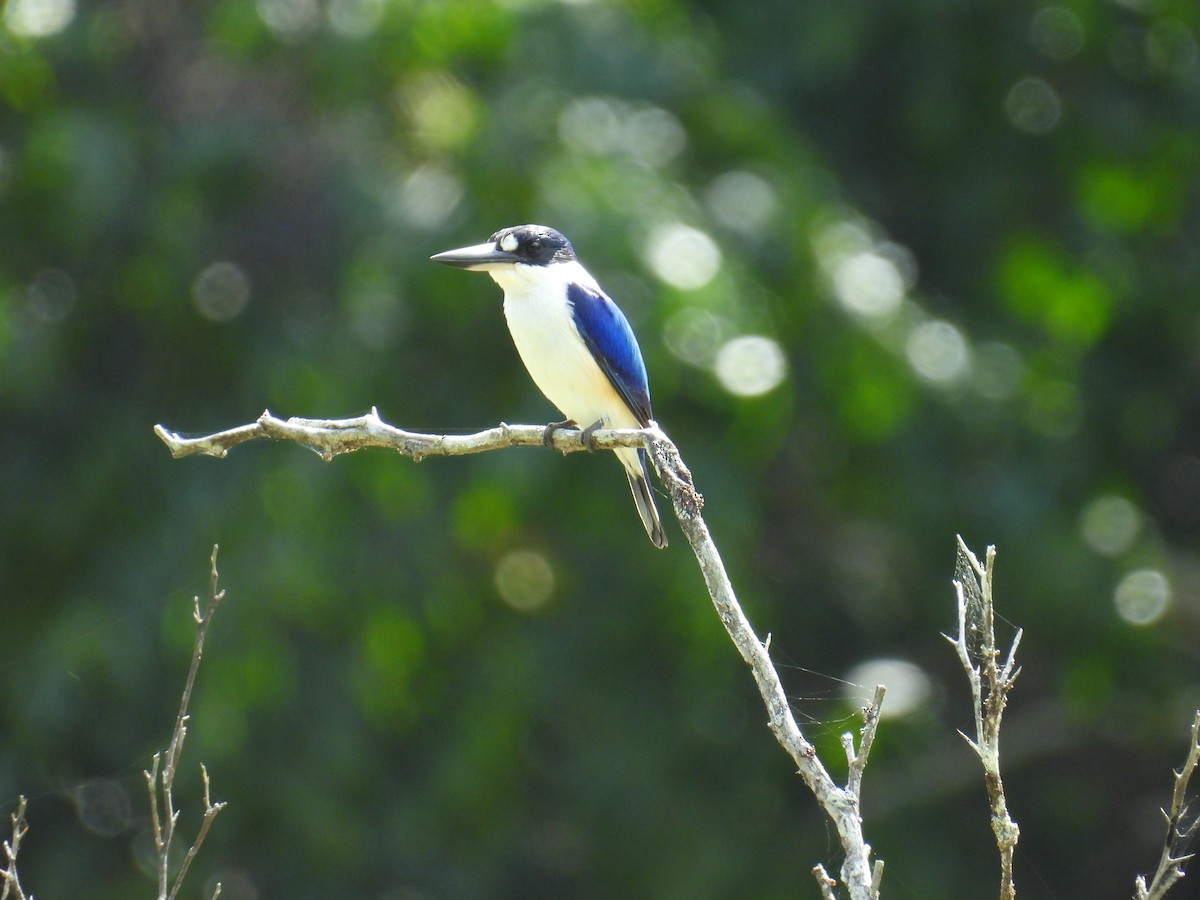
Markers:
(536, 245)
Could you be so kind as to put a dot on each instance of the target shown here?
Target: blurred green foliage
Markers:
(940, 269)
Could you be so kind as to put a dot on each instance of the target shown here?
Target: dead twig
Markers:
(12, 881)
(990, 683)
(1182, 825)
(160, 778)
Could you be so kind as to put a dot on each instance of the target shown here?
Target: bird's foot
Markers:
(587, 437)
(548, 433)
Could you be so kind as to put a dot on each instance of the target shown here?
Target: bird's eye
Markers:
(535, 247)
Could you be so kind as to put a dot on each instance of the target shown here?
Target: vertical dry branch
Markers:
(12, 881)
(841, 805)
(1182, 825)
(990, 683)
(160, 779)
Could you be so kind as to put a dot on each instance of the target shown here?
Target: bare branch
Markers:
(990, 684)
(825, 883)
(155, 824)
(858, 761)
(160, 778)
(210, 812)
(331, 437)
(1182, 825)
(11, 887)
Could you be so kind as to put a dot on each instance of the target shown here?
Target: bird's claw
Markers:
(548, 432)
(587, 437)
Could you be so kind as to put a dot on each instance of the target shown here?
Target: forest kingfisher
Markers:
(575, 342)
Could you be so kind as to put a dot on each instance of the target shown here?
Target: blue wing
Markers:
(608, 336)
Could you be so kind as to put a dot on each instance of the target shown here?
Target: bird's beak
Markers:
(478, 258)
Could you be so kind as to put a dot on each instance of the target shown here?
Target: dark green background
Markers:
(382, 723)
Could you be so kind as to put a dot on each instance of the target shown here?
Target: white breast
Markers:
(559, 362)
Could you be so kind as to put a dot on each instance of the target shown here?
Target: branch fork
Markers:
(160, 777)
(332, 437)
(990, 684)
(10, 881)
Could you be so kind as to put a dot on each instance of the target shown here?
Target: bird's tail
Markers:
(640, 486)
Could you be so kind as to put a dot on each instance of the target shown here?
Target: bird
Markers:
(574, 340)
